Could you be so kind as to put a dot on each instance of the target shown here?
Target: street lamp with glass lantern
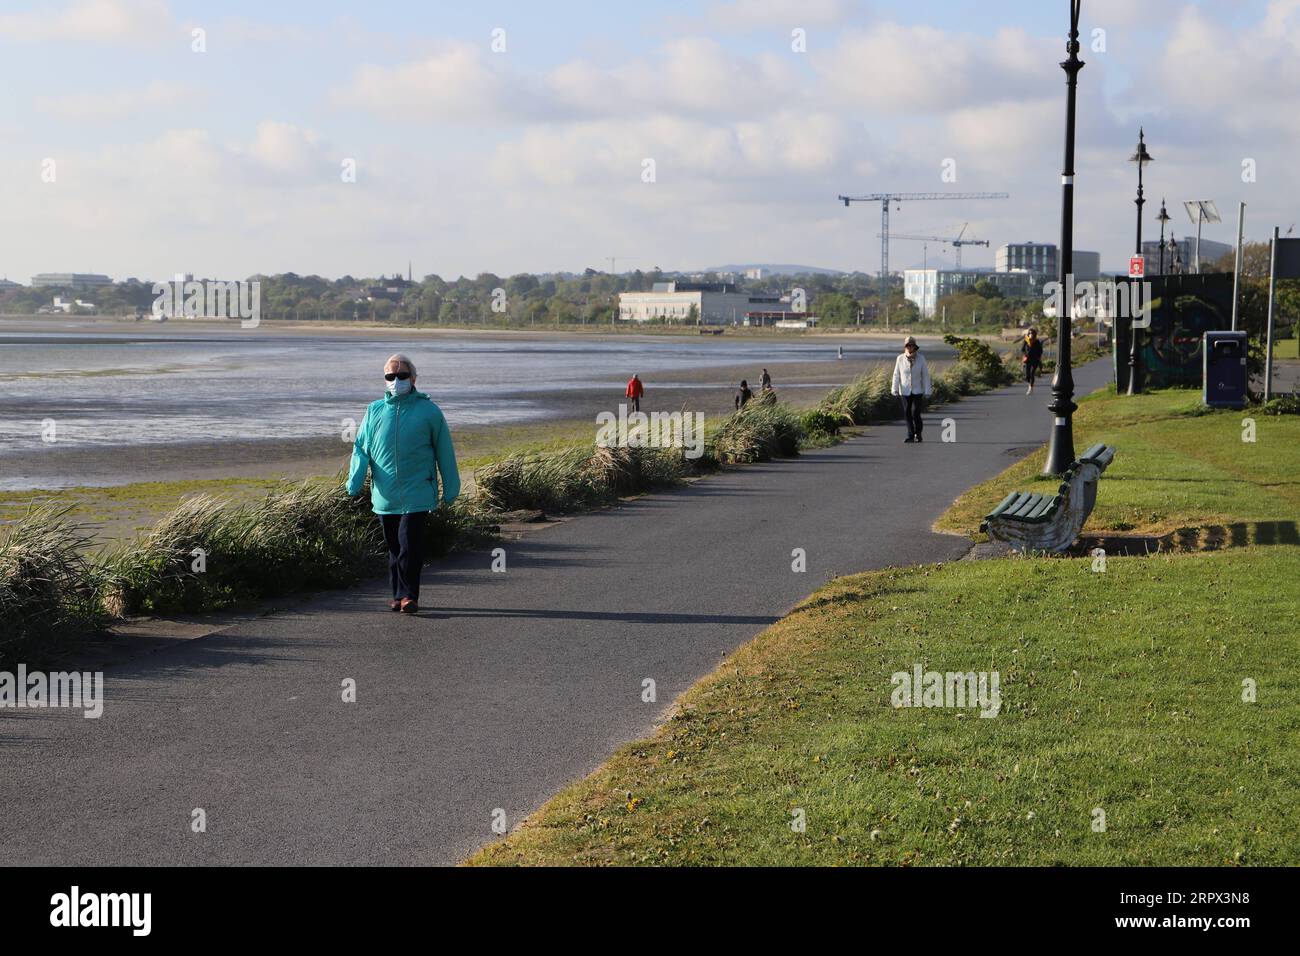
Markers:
(1060, 451)
(1141, 157)
(1162, 218)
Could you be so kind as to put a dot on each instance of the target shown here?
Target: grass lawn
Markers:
(1121, 691)
(1177, 465)
(1286, 349)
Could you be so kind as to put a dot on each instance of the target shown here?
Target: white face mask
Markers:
(399, 386)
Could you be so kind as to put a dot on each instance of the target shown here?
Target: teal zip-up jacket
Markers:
(405, 444)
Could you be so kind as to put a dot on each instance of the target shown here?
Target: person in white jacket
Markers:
(912, 385)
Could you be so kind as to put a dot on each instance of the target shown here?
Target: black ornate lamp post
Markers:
(1060, 451)
(1162, 218)
(1141, 157)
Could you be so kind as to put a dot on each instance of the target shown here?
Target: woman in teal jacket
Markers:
(405, 444)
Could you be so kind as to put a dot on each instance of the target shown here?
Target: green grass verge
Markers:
(1120, 691)
(1286, 349)
(1177, 465)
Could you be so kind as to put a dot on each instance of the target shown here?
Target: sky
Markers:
(150, 137)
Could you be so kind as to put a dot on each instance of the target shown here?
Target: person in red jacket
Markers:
(634, 391)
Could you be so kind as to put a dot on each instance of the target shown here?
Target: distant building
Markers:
(757, 272)
(709, 303)
(71, 280)
(1040, 258)
(1037, 257)
(925, 287)
(5, 285)
(63, 305)
(1182, 256)
(1087, 266)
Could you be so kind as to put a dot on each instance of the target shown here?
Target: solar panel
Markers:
(1202, 210)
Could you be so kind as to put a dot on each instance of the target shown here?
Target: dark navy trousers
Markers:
(404, 535)
(912, 405)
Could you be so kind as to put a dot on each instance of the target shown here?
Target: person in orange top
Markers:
(634, 391)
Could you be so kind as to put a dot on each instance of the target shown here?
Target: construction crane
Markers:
(885, 199)
(955, 243)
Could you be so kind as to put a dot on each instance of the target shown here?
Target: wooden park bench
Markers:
(1030, 521)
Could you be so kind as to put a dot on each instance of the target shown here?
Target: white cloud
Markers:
(610, 153)
(892, 68)
(688, 75)
(465, 82)
(458, 82)
(284, 148)
(101, 21)
(1239, 78)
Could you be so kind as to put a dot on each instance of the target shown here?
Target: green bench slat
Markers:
(1099, 454)
(1031, 502)
(1045, 509)
(1006, 502)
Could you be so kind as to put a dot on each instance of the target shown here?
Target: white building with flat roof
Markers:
(1040, 258)
(702, 303)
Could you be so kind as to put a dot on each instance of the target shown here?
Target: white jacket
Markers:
(911, 378)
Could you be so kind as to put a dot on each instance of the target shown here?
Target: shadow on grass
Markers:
(1240, 534)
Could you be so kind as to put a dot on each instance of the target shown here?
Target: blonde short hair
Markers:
(399, 357)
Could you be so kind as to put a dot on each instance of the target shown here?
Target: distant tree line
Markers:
(526, 299)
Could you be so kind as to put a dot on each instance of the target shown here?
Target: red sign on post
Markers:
(1137, 267)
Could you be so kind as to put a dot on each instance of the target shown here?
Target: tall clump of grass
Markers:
(578, 477)
(862, 401)
(209, 554)
(48, 587)
(760, 431)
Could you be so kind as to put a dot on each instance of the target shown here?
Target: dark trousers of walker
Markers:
(404, 535)
(912, 412)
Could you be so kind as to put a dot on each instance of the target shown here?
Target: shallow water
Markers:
(79, 384)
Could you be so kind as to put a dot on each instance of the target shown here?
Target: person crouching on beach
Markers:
(405, 444)
(912, 384)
